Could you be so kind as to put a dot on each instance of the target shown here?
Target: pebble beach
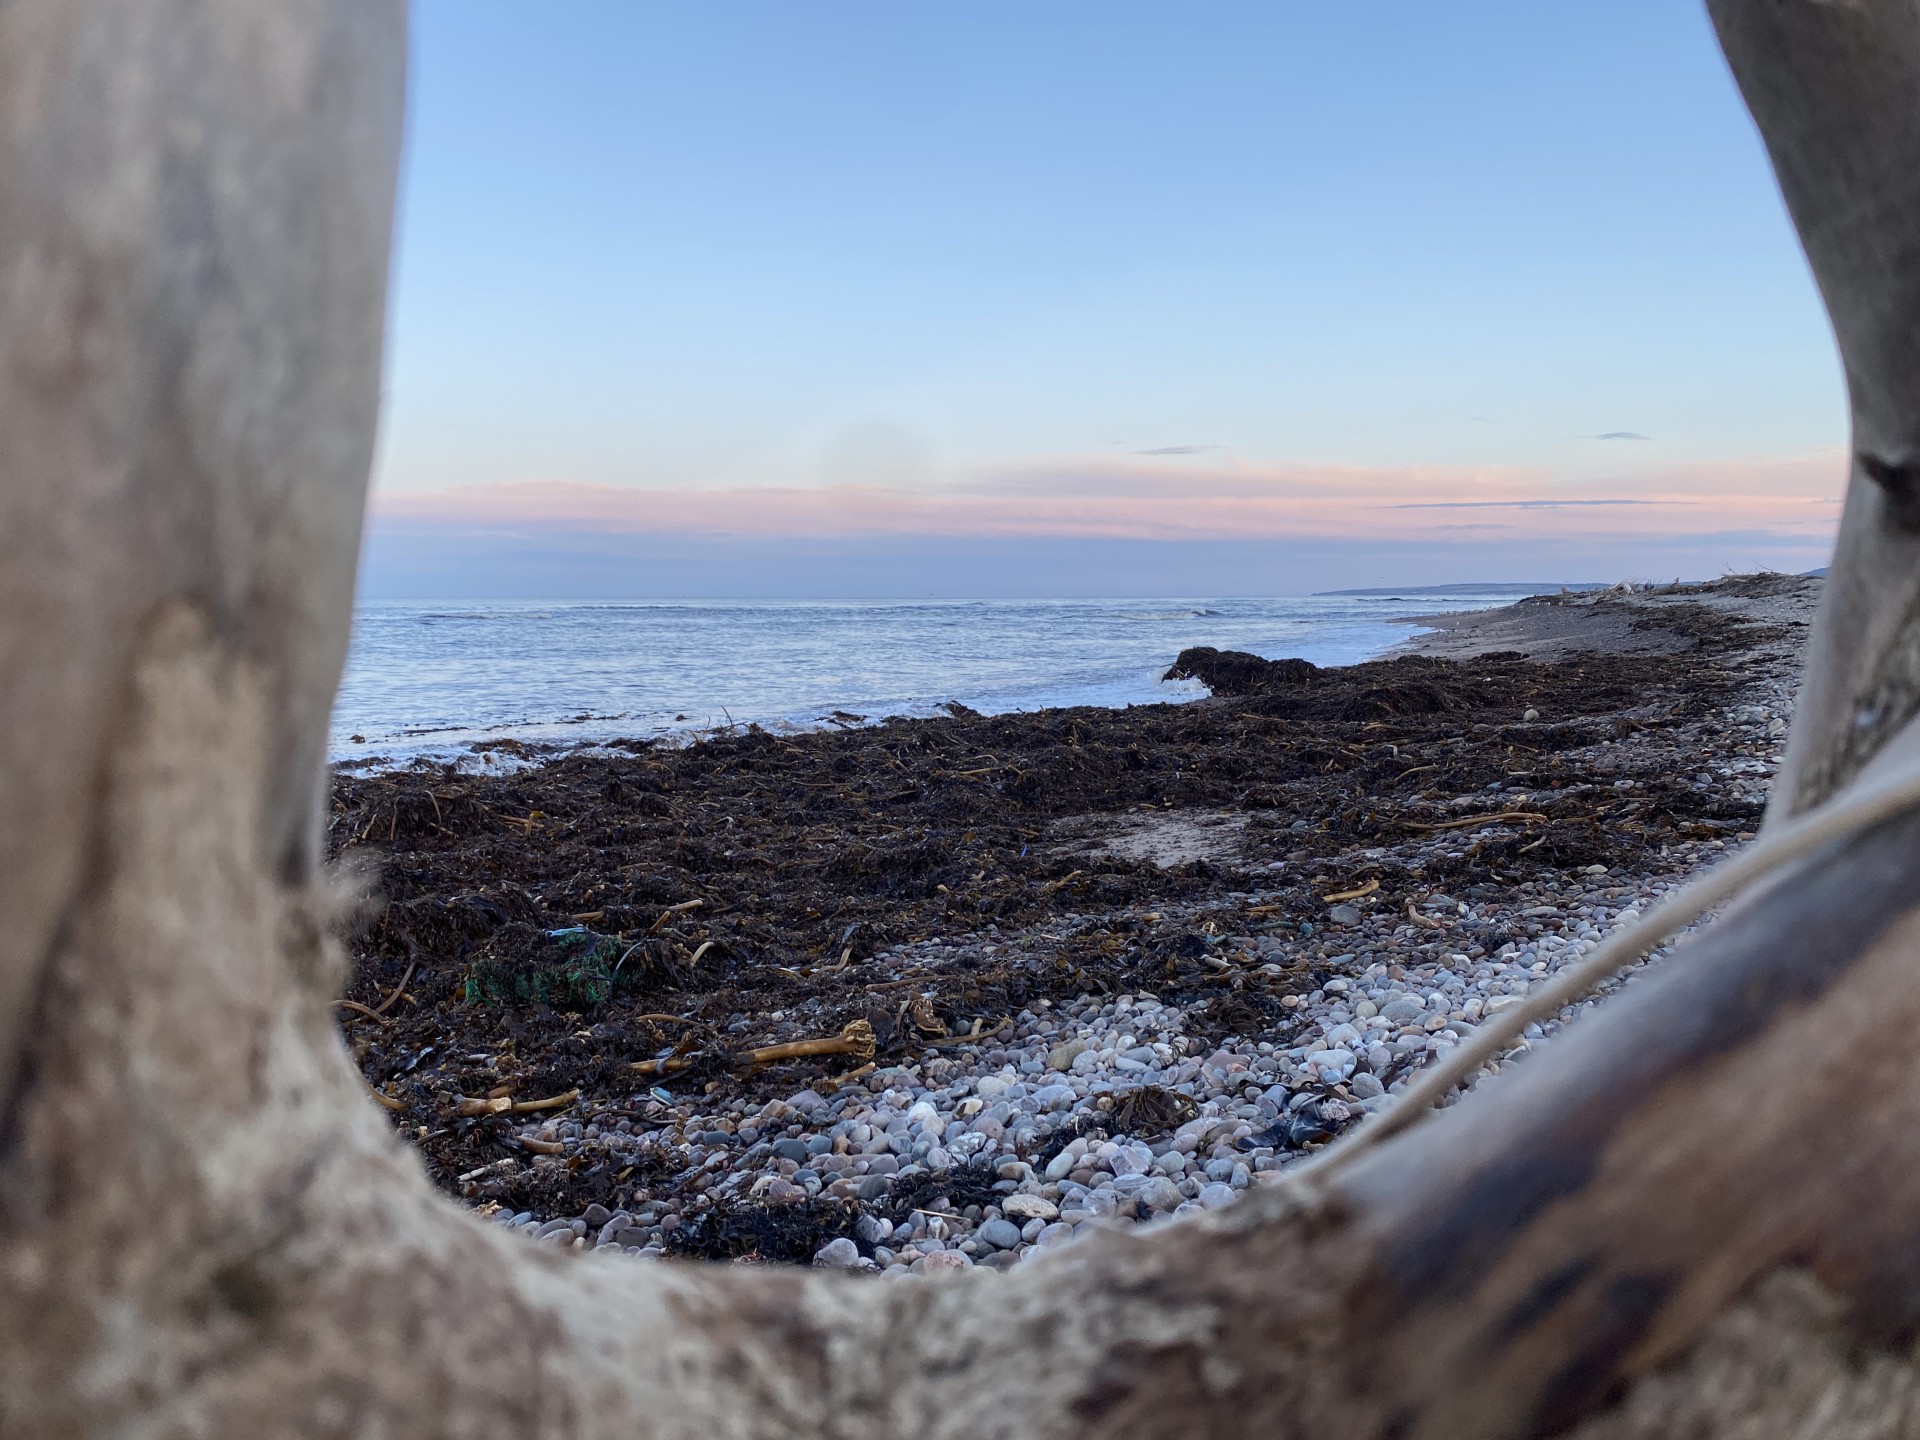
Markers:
(1134, 1106)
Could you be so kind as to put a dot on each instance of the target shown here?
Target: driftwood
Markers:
(1697, 1214)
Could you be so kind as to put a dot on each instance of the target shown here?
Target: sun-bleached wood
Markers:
(1698, 1213)
(1831, 84)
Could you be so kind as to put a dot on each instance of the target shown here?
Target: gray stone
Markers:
(1335, 1063)
(1063, 1055)
(795, 1150)
(1215, 1195)
(1344, 915)
(1000, 1234)
(875, 1187)
(1162, 1194)
(838, 1254)
(1061, 1164)
(1403, 1011)
(1030, 1207)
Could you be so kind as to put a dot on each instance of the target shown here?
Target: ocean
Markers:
(427, 679)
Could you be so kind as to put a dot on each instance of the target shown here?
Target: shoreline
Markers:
(1148, 919)
(1614, 620)
(1110, 654)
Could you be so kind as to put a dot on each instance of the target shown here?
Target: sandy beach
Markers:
(943, 992)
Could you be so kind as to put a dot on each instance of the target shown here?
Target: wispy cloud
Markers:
(1622, 435)
(1180, 450)
(1526, 504)
(1118, 497)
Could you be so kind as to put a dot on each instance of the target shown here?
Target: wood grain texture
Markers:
(1830, 84)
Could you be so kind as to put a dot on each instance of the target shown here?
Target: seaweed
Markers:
(791, 1232)
(676, 907)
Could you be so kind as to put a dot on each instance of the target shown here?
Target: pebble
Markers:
(1062, 1056)
(840, 1254)
(1031, 1207)
(1001, 1234)
(1061, 1164)
(1162, 1194)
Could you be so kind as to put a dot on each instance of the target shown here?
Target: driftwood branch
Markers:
(1698, 1214)
(1831, 86)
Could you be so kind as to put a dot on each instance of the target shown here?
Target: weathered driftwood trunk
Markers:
(1699, 1214)
(1833, 86)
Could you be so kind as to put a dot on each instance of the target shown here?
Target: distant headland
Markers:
(1508, 587)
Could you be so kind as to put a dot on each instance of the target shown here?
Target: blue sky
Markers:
(866, 299)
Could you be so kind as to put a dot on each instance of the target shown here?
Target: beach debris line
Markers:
(1498, 817)
(1026, 988)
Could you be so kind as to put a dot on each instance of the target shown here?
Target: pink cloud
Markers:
(1125, 498)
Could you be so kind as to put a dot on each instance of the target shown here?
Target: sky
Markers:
(861, 299)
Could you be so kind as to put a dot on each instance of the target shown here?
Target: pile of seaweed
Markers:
(681, 907)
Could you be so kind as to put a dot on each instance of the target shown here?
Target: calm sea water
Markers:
(433, 678)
